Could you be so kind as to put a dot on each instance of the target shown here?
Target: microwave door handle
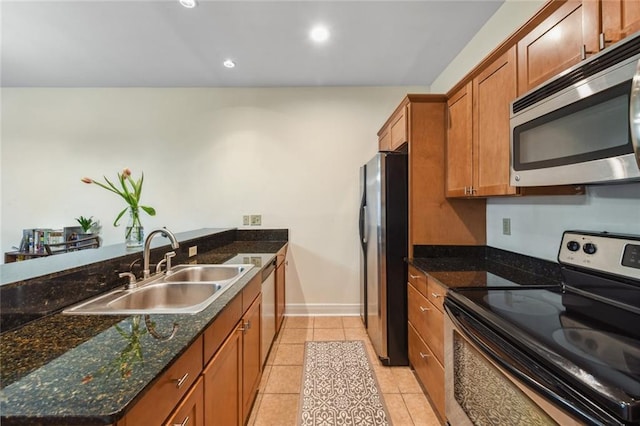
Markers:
(634, 113)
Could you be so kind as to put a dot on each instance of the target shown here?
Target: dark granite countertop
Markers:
(67, 369)
(487, 267)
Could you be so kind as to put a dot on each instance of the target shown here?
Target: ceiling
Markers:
(86, 43)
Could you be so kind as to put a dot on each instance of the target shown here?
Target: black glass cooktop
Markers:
(586, 342)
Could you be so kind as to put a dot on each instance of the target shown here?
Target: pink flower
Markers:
(87, 180)
(126, 172)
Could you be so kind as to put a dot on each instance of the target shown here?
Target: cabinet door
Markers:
(399, 129)
(620, 18)
(384, 140)
(459, 143)
(556, 44)
(428, 369)
(223, 383)
(280, 295)
(493, 91)
(191, 410)
(251, 359)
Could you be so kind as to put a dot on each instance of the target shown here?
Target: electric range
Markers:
(575, 347)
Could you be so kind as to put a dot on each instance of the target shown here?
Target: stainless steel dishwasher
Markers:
(268, 317)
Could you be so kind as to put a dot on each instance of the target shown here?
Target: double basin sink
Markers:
(186, 289)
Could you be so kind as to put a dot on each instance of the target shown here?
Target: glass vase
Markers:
(134, 233)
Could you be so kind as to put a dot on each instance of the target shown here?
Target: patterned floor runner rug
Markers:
(339, 386)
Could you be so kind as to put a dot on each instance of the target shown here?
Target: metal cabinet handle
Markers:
(423, 309)
(415, 277)
(184, 422)
(181, 380)
(435, 295)
(423, 356)
(584, 52)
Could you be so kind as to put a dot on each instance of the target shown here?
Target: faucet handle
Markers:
(132, 279)
(167, 260)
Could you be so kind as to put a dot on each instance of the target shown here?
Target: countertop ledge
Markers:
(101, 365)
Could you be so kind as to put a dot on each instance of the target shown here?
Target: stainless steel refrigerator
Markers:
(383, 240)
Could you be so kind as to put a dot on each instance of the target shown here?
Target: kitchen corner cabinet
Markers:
(394, 132)
(280, 286)
(426, 335)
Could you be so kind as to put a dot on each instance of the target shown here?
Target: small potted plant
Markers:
(86, 223)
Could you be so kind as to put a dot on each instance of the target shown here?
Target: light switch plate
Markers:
(193, 250)
(246, 220)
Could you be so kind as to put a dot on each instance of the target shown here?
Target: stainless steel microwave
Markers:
(582, 126)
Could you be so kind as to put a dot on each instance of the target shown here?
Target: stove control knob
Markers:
(573, 246)
(589, 248)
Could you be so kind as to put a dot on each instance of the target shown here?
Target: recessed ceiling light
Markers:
(229, 63)
(319, 33)
(190, 4)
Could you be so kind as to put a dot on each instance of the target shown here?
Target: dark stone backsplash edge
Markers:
(529, 264)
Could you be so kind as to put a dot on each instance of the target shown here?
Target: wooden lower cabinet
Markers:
(429, 371)
(191, 410)
(223, 383)
(251, 357)
(426, 335)
(280, 287)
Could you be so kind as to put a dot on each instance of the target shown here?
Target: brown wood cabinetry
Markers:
(191, 410)
(426, 335)
(459, 179)
(433, 219)
(159, 401)
(280, 286)
(251, 357)
(557, 43)
(223, 383)
(620, 19)
(394, 132)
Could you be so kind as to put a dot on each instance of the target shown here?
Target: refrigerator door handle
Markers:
(363, 221)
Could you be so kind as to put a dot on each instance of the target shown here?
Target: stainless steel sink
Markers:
(188, 290)
(202, 273)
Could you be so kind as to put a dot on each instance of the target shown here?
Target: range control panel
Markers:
(604, 252)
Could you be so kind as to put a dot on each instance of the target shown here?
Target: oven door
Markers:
(485, 384)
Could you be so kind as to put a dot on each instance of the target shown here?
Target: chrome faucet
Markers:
(147, 248)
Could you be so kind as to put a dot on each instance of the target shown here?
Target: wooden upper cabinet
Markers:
(459, 159)
(394, 133)
(493, 91)
(557, 43)
(620, 19)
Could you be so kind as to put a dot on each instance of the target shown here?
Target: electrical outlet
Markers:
(506, 226)
(256, 219)
(246, 220)
(193, 250)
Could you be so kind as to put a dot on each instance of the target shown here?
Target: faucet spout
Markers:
(147, 247)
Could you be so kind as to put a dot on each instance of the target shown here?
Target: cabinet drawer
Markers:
(222, 326)
(191, 409)
(436, 293)
(156, 405)
(427, 321)
(428, 369)
(418, 280)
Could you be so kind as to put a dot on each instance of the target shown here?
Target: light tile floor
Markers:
(279, 393)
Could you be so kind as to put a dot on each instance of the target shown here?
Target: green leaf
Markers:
(149, 210)
(115, 222)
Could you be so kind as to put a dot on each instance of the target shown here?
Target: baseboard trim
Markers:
(320, 309)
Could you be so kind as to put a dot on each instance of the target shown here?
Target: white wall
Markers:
(537, 223)
(209, 156)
